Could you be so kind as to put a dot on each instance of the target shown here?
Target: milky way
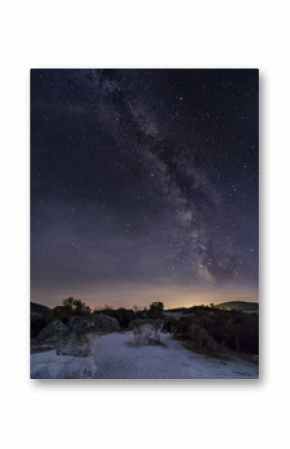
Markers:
(143, 182)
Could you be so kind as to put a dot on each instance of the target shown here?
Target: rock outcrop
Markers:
(98, 323)
(54, 330)
(74, 337)
(147, 331)
(105, 323)
(81, 324)
(75, 344)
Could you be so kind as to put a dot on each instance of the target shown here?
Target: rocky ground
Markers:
(113, 356)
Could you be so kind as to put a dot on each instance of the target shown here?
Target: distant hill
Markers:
(38, 310)
(38, 318)
(238, 305)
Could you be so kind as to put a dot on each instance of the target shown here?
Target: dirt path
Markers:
(113, 357)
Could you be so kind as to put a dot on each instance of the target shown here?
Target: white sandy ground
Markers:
(113, 357)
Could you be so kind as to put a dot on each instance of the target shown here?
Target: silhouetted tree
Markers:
(80, 308)
(156, 309)
(69, 308)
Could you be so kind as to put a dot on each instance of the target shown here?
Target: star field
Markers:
(143, 181)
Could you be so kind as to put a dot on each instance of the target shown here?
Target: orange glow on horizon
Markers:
(142, 295)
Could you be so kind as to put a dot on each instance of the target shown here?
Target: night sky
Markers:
(144, 186)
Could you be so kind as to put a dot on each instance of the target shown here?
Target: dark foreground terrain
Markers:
(72, 341)
(114, 357)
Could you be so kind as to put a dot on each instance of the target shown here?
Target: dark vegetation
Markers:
(210, 329)
(70, 307)
(206, 329)
(38, 318)
(125, 316)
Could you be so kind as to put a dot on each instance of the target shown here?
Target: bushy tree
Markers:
(156, 309)
(201, 341)
(69, 308)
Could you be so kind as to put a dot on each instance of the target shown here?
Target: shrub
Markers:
(70, 307)
(232, 329)
(200, 341)
(156, 309)
(248, 333)
(170, 324)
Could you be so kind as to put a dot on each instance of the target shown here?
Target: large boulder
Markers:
(146, 331)
(98, 323)
(53, 331)
(81, 323)
(75, 344)
(105, 323)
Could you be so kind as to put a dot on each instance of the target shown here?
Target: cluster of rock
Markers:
(97, 323)
(146, 331)
(74, 344)
(73, 338)
(53, 331)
